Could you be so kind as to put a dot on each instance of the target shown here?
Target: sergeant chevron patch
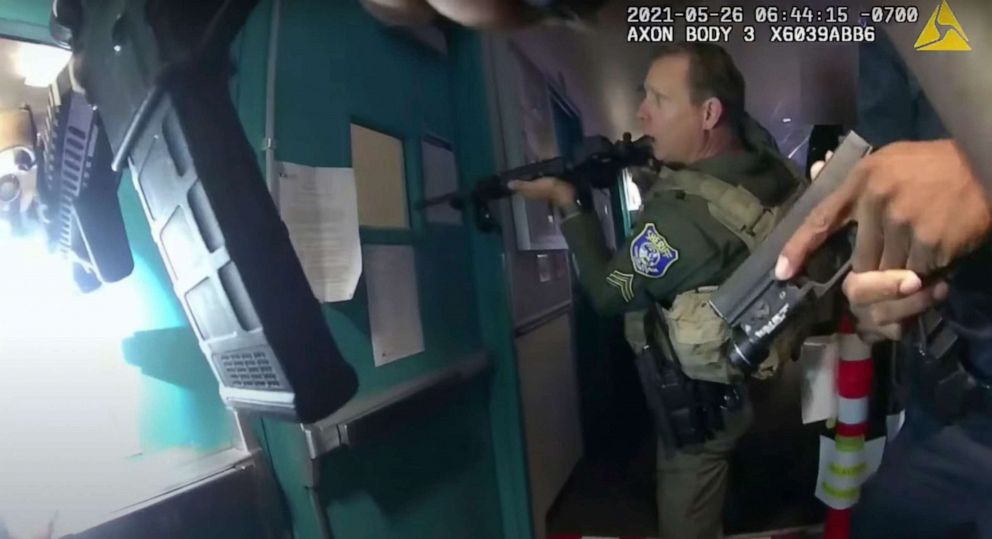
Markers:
(623, 281)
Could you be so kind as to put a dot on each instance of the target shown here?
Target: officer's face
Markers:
(667, 113)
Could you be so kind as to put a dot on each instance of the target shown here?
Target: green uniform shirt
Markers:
(676, 245)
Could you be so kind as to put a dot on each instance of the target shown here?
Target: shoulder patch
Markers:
(651, 254)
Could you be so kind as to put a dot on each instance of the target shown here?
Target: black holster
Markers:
(686, 412)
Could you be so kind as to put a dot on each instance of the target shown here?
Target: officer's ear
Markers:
(712, 112)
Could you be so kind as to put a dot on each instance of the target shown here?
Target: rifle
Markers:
(594, 164)
(153, 96)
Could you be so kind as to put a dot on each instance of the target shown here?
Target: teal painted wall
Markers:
(25, 19)
(461, 473)
(337, 66)
(475, 155)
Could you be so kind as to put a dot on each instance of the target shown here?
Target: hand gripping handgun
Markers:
(753, 302)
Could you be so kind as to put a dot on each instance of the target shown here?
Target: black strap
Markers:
(648, 375)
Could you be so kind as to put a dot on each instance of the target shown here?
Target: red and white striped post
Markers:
(846, 470)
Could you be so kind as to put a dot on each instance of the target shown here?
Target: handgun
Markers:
(156, 74)
(755, 304)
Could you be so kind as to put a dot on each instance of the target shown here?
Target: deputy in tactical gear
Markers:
(718, 195)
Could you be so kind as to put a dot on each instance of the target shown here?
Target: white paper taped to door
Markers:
(320, 209)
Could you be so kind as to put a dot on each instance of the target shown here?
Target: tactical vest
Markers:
(697, 333)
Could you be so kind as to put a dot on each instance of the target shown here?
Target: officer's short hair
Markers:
(712, 73)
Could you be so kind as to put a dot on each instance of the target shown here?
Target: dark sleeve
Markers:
(969, 307)
(885, 99)
(676, 246)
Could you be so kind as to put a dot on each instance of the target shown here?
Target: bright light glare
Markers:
(69, 401)
(39, 300)
(40, 64)
(632, 192)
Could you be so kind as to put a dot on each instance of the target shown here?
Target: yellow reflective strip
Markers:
(847, 471)
(848, 444)
(848, 494)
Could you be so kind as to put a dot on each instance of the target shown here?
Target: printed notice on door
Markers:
(394, 303)
(320, 209)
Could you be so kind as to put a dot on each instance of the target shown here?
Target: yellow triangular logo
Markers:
(943, 32)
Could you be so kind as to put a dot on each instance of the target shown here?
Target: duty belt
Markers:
(686, 411)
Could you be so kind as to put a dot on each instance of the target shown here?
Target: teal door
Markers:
(459, 473)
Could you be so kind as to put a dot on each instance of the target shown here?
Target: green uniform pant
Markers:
(692, 483)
